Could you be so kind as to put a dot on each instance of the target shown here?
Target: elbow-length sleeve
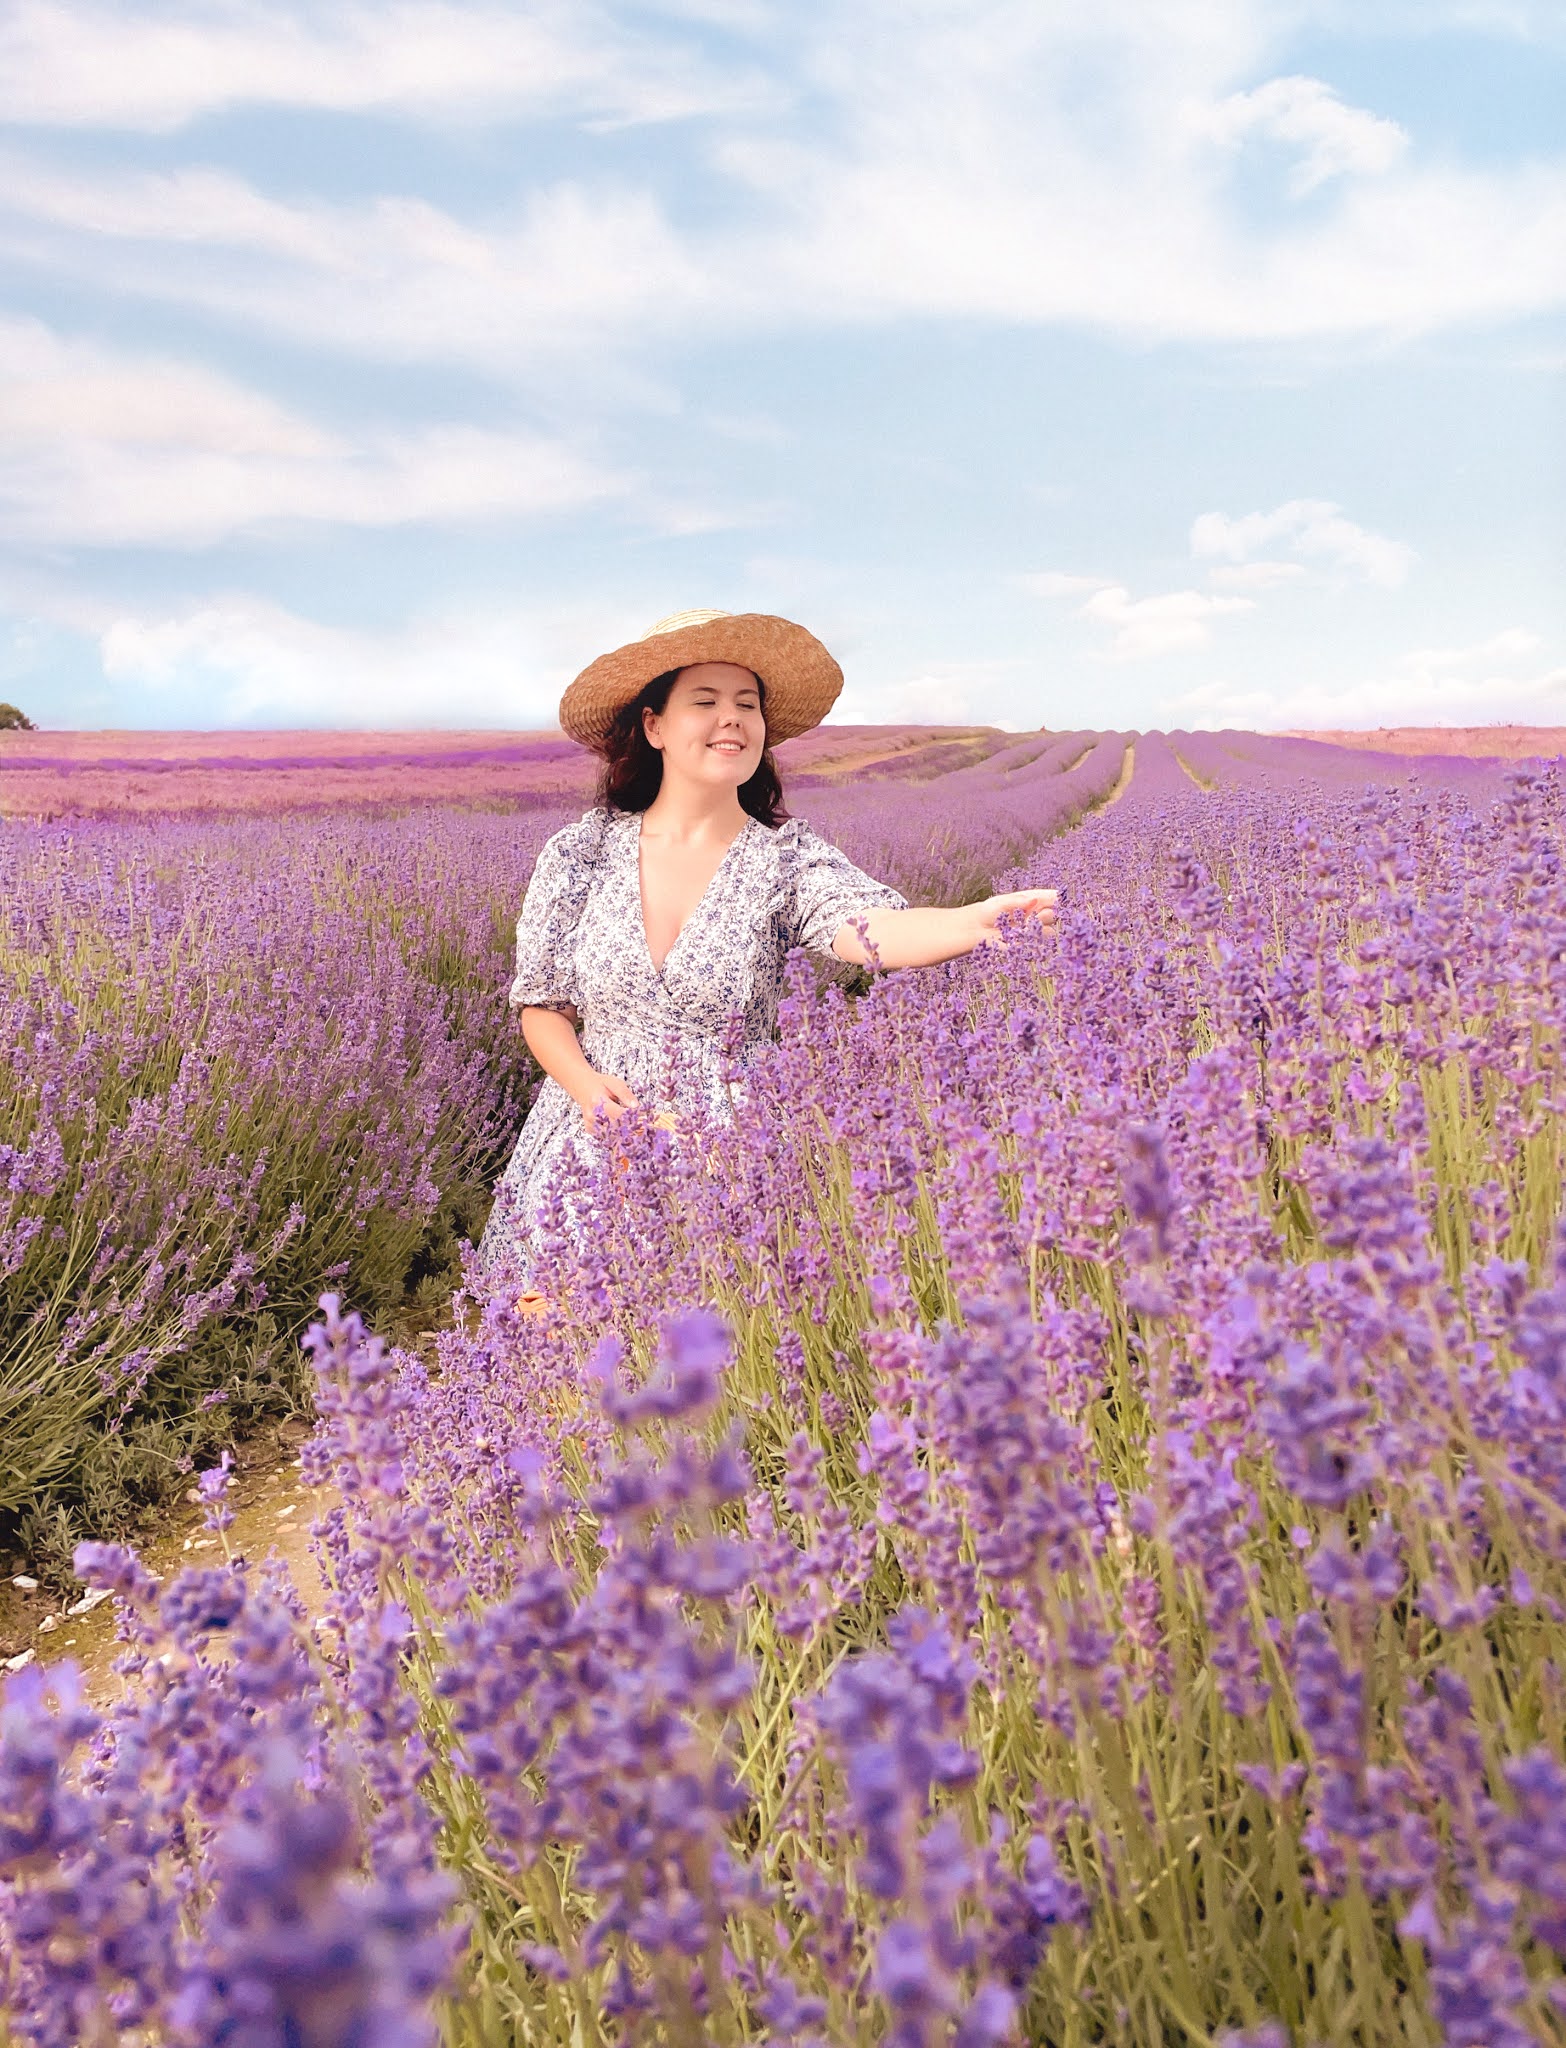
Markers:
(545, 974)
(829, 891)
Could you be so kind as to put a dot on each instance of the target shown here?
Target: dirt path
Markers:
(273, 1510)
(1122, 781)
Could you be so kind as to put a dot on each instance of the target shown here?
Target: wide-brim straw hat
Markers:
(802, 680)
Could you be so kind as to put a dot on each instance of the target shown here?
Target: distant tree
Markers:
(12, 720)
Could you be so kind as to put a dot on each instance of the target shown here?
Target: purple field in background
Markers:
(55, 775)
(1049, 1528)
(52, 775)
(1248, 760)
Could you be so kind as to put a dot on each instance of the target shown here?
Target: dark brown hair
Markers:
(633, 767)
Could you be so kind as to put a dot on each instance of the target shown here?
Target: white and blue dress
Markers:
(677, 1034)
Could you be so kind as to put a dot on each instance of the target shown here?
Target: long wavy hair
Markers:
(633, 767)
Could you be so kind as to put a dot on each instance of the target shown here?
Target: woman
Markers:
(661, 920)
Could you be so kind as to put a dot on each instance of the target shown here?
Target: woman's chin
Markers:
(727, 770)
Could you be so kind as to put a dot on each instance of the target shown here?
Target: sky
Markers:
(1133, 365)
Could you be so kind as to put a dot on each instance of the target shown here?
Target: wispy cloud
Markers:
(1328, 138)
(1508, 678)
(1313, 530)
(1258, 575)
(941, 693)
(1140, 628)
(1322, 542)
(157, 68)
(1172, 622)
(100, 449)
(246, 658)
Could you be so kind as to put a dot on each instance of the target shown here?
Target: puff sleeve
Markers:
(545, 976)
(828, 891)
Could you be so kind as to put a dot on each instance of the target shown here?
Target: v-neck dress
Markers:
(676, 1033)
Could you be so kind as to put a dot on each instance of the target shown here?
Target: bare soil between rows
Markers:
(273, 1510)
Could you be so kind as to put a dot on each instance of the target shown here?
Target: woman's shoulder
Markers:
(582, 840)
(797, 836)
(791, 832)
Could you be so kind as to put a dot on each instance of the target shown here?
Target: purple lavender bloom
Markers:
(297, 1948)
(1317, 1432)
(1149, 1189)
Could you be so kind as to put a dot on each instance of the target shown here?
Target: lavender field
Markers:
(1050, 1529)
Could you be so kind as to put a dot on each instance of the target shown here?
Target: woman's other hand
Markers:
(1039, 903)
(602, 1096)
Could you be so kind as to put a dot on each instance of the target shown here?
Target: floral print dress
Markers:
(674, 1033)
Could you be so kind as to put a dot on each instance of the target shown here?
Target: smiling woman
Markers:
(660, 922)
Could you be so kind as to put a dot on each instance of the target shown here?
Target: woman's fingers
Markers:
(1030, 902)
(612, 1100)
(1039, 903)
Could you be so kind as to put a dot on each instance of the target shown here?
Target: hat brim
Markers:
(802, 680)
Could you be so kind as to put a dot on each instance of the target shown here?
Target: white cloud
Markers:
(1332, 139)
(1313, 530)
(391, 278)
(934, 693)
(1530, 21)
(1059, 583)
(1180, 621)
(1493, 682)
(1139, 628)
(1259, 575)
(1513, 645)
(101, 449)
(247, 660)
(928, 698)
(1173, 622)
(156, 68)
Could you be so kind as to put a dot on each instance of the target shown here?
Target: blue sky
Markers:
(1190, 364)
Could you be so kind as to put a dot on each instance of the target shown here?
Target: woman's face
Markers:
(712, 729)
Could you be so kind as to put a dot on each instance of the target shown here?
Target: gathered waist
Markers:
(655, 1042)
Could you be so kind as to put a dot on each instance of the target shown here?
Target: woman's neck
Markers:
(690, 810)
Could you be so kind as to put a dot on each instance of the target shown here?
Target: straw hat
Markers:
(802, 679)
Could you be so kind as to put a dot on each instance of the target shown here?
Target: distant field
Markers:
(1468, 742)
(100, 774)
(94, 774)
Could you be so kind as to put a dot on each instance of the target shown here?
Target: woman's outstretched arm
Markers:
(919, 938)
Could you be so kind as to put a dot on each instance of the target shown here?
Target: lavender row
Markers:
(946, 841)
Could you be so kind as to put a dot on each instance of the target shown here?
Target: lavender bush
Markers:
(1051, 1528)
(231, 1061)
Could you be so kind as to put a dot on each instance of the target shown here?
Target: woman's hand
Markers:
(1039, 903)
(553, 1043)
(601, 1095)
